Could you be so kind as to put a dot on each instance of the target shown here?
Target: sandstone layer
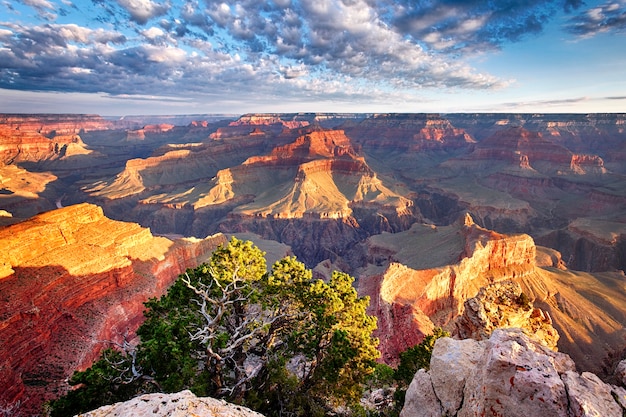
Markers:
(422, 278)
(72, 282)
(508, 375)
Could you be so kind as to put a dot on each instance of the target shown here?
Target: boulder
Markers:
(510, 374)
(181, 404)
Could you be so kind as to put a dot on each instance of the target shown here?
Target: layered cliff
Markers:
(73, 281)
(422, 278)
(429, 272)
(54, 124)
(409, 133)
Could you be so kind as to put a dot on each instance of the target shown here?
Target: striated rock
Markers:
(508, 375)
(410, 133)
(180, 404)
(73, 281)
(54, 124)
(431, 271)
(503, 305)
(422, 277)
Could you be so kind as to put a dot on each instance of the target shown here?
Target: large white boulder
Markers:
(180, 404)
(510, 375)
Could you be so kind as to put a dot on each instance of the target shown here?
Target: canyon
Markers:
(424, 210)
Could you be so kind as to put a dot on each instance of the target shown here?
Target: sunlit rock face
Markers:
(503, 305)
(409, 133)
(315, 184)
(510, 374)
(73, 281)
(424, 277)
(430, 272)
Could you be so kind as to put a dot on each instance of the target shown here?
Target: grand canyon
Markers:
(429, 213)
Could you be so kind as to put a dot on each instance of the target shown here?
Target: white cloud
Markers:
(153, 33)
(39, 4)
(143, 10)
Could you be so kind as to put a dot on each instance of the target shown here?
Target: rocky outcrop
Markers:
(72, 282)
(504, 305)
(510, 374)
(431, 271)
(422, 277)
(180, 404)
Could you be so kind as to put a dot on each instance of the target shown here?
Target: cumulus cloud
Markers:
(278, 48)
(143, 10)
(608, 17)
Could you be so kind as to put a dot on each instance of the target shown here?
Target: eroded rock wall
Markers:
(72, 282)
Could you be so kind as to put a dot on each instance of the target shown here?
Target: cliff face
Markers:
(428, 276)
(54, 124)
(508, 375)
(409, 133)
(71, 280)
(465, 258)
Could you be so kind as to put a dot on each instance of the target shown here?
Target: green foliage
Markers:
(418, 356)
(107, 381)
(309, 341)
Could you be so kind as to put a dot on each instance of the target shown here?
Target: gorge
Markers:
(424, 210)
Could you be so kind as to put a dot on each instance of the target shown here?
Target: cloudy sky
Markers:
(116, 57)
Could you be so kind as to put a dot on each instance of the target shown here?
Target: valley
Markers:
(424, 210)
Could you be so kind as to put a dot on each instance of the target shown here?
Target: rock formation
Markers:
(409, 133)
(430, 273)
(73, 281)
(422, 278)
(510, 374)
(504, 305)
(180, 404)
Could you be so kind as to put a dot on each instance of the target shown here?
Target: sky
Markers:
(131, 57)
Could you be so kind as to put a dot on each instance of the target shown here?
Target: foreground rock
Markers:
(181, 404)
(72, 282)
(508, 375)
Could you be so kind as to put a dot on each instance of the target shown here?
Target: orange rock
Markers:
(70, 280)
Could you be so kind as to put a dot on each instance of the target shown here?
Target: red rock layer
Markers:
(72, 280)
(409, 132)
(54, 124)
(409, 302)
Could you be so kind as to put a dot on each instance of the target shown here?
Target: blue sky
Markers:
(116, 57)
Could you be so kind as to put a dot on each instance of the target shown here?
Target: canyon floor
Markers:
(424, 210)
